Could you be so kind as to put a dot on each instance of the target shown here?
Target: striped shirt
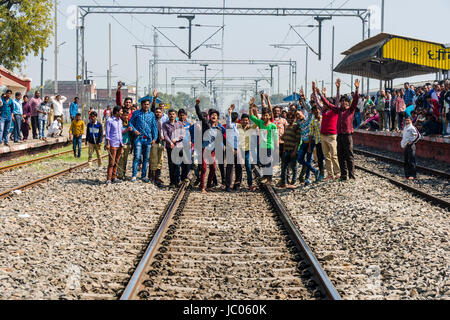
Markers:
(280, 123)
(314, 129)
(304, 127)
(292, 137)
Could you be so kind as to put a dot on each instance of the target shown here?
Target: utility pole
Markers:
(278, 82)
(155, 59)
(56, 47)
(42, 71)
(332, 64)
(110, 67)
(320, 21)
(167, 90)
(189, 18)
(382, 30)
(271, 76)
(137, 74)
(108, 79)
(206, 68)
(306, 72)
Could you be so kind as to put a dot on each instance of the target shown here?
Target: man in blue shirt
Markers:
(73, 109)
(409, 95)
(145, 128)
(7, 105)
(18, 115)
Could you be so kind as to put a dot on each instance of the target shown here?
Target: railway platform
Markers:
(434, 147)
(33, 146)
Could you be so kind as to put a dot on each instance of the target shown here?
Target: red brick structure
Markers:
(437, 148)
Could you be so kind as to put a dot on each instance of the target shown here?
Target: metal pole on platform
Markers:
(332, 63)
(56, 47)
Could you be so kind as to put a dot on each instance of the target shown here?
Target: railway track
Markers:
(431, 171)
(204, 249)
(21, 185)
(40, 159)
(433, 186)
(31, 151)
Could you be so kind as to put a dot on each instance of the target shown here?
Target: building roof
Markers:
(13, 81)
(387, 57)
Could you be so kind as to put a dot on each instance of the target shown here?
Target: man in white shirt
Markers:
(55, 128)
(410, 137)
(58, 109)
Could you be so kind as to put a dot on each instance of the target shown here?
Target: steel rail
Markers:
(24, 163)
(133, 283)
(11, 155)
(399, 162)
(301, 244)
(423, 194)
(5, 194)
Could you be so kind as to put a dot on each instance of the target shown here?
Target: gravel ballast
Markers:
(375, 241)
(74, 237)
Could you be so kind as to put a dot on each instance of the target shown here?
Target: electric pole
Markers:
(42, 71)
(56, 47)
(110, 67)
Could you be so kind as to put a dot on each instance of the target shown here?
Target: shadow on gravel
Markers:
(94, 182)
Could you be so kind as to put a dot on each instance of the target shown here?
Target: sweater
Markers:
(94, 133)
(77, 128)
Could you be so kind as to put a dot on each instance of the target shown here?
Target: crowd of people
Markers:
(262, 136)
(20, 115)
(427, 106)
(315, 133)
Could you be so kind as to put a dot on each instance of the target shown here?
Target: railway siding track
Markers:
(35, 181)
(206, 249)
(433, 186)
(431, 171)
(27, 162)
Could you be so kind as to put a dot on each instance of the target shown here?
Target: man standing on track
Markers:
(114, 143)
(174, 133)
(144, 126)
(345, 135)
(328, 130)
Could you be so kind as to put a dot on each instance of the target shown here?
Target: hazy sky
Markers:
(245, 38)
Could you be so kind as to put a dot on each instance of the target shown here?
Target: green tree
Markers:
(26, 27)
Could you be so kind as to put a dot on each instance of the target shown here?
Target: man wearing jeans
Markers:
(145, 128)
(7, 105)
(17, 116)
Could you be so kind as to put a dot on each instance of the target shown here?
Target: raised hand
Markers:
(252, 101)
(155, 93)
(266, 95)
(324, 91)
(313, 85)
(197, 101)
(231, 109)
(338, 83)
(357, 84)
(302, 93)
